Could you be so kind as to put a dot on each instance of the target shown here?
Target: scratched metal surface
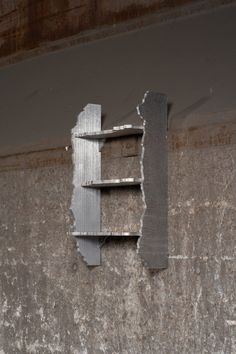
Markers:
(153, 243)
(85, 203)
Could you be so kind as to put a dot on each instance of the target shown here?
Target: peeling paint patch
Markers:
(231, 322)
(18, 311)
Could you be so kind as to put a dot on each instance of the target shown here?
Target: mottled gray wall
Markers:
(51, 302)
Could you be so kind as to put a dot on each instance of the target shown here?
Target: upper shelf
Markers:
(115, 132)
(112, 183)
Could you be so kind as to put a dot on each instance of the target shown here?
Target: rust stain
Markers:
(31, 24)
(39, 22)
(202, 137)
(35, 159)
(137, 10)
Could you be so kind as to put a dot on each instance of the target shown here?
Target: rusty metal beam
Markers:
(32, 27)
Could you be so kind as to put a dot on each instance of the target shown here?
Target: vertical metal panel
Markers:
(87, 166)
(153, 244)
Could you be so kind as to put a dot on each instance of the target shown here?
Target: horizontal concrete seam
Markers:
(204, 258)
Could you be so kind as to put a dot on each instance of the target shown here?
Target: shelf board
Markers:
(115, 132)
(105, 234)
(112, 183)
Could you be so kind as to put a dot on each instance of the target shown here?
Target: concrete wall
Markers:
(50, 301)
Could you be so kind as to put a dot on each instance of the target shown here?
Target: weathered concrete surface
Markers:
(52, 303)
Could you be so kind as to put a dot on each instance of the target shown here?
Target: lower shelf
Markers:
(105, 234)
(113, 183)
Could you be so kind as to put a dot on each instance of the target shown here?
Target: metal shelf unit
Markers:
(89, 184)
